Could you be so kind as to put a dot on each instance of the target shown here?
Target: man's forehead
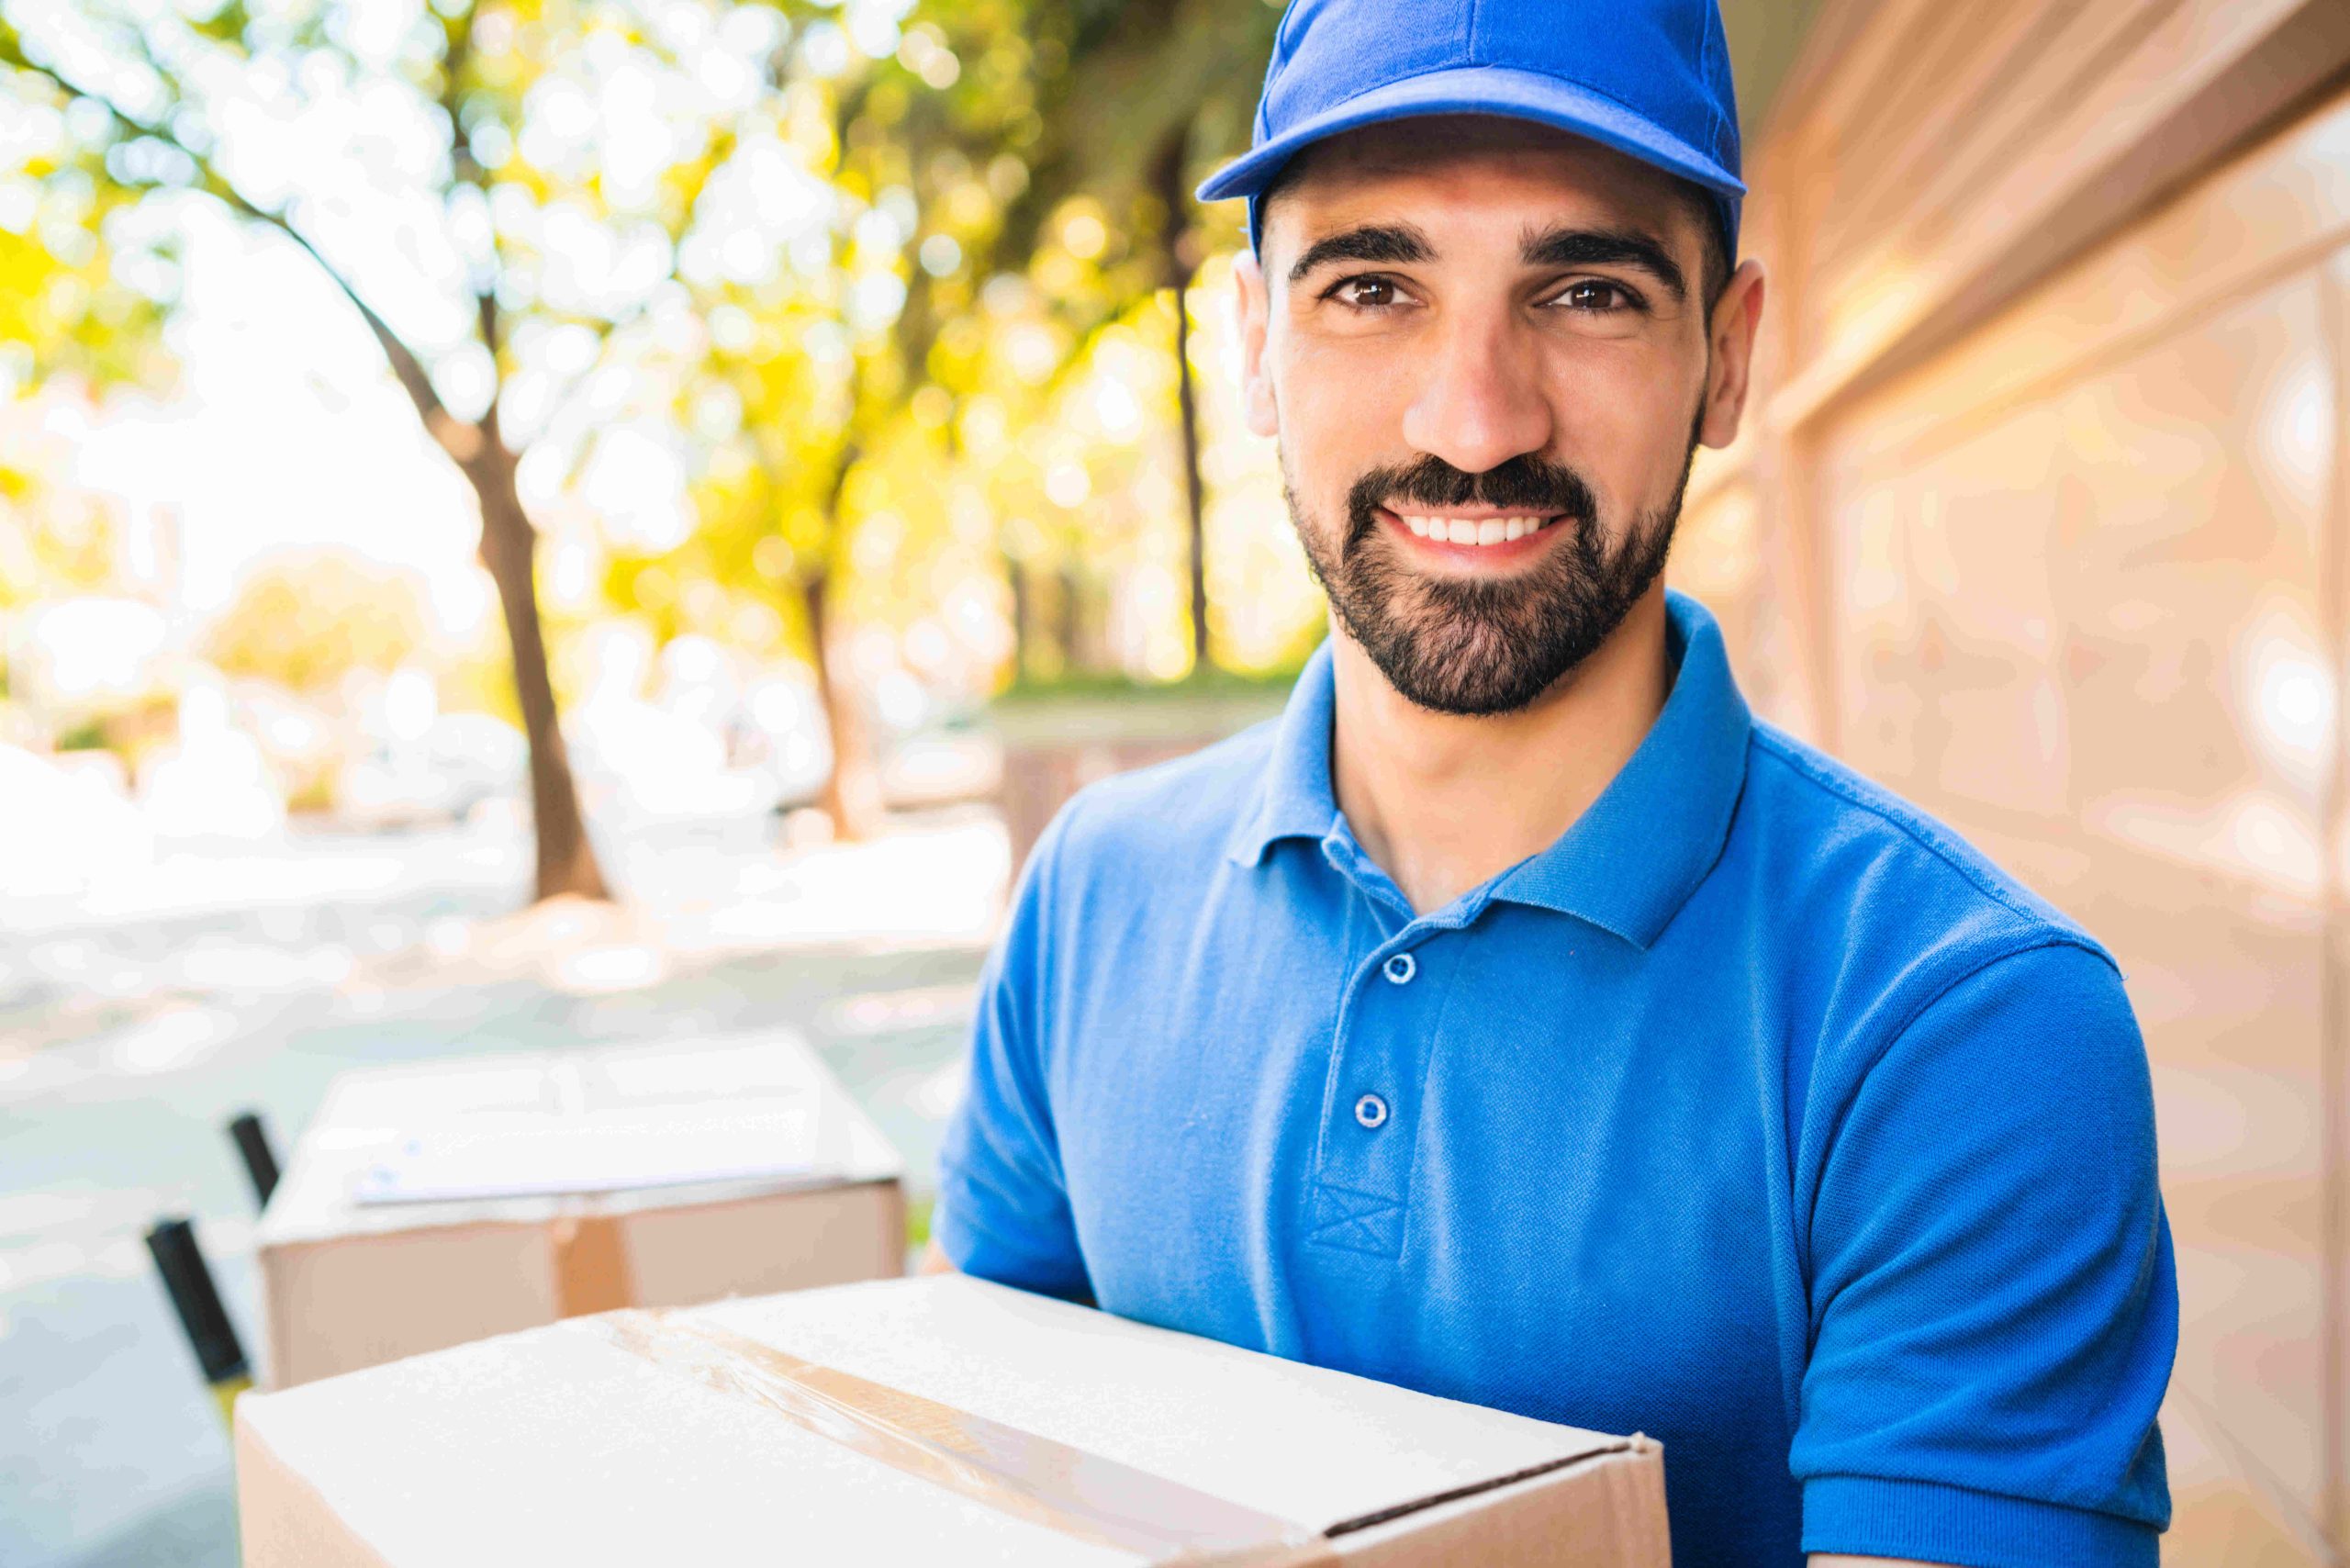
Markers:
(1435, 154)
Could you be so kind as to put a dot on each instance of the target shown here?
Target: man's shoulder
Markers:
(1173, 817)
(1905, 884)
(1908, 938)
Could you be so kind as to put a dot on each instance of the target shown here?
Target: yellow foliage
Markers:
(306, 621)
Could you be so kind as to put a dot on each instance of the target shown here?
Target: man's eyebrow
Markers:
(1602, 247)
(1371, 242)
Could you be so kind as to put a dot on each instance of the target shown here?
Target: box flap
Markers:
(763, 1114)
(763, 1138)
(1304, 1442)
(563, 1444)
(555, 1446)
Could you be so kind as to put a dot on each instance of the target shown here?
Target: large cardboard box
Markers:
(426, 1206)
(938, 1421)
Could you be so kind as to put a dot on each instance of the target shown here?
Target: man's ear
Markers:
(1730, 364)
(1255, 304)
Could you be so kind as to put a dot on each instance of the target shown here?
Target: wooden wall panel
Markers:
(2093, 109)
(2336, 1112)
(2044, 520)
(2095, 624)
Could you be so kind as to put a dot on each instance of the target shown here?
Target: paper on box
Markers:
(429, 1205)
(580, 1444)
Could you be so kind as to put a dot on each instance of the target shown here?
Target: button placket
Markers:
(1363, 1169)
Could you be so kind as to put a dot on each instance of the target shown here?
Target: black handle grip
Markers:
(214, 1338)
(261, 1160)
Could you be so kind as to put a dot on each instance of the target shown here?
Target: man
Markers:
(1517, 1019)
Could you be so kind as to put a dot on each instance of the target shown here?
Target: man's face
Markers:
(1484, 349)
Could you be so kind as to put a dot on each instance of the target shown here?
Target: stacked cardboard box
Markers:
(431, 1205)
(941, 1421)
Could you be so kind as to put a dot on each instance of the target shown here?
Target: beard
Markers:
(1485, 645)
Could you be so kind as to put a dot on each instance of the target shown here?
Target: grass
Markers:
(1089, 707)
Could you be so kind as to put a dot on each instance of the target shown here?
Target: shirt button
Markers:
(1402, 968)
(1371, 1111)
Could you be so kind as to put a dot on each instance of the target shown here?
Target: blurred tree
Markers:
(83, 289)
(53, 540)
(1152, 93)
(306, 620)
(814, 315)
(975, 216)
(81, 302)
(999, 208)
(531, 169)
(840, 250)
(844, 324)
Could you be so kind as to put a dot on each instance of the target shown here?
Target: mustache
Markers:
(1522, 484)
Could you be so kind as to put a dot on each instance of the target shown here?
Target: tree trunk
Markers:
(852, 796)
(1070, 612)
(1180, 245)
(566, 862)
(1195, 495)
(1023, 613)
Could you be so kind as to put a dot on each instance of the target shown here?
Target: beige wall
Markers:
(2043, 520)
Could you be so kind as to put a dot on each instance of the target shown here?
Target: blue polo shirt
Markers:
(1759, 1113)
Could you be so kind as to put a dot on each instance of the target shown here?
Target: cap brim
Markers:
(1479, 90)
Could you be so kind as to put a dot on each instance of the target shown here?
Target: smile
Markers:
(1482, 531)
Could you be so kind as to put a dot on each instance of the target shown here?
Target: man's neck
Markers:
(1442, 802)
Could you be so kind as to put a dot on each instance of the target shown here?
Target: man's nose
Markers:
(1481, 401)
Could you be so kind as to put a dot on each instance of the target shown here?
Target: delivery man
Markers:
(1517, 1018)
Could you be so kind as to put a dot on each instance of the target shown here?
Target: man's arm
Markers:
(935, 1261)
(1993, 1296)
(1003, 1212)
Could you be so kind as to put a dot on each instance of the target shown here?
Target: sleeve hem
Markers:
(1928, 1522)
(974, 1251)
(948, 1231)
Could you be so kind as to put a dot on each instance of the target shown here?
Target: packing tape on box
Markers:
(1046, 1483)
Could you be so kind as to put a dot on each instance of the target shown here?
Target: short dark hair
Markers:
(1699, 201)
(1719, 264)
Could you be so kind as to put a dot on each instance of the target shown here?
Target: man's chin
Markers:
(1461, 681)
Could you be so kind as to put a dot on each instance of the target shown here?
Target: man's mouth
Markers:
(1481, 532)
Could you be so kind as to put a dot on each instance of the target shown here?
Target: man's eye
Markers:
(1364, 293)
(1597, 296)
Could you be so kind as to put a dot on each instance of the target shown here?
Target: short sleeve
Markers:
(1004, 1211)
(1994, 1308)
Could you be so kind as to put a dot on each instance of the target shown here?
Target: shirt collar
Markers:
(1295, 801)
(1633, 858)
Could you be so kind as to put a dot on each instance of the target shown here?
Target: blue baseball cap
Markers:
(1649, 78)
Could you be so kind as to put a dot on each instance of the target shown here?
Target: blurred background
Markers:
(533, 522)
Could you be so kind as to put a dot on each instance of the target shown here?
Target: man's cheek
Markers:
(1619, 459)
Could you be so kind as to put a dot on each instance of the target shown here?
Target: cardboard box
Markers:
(939, 1422)
(427, 1206)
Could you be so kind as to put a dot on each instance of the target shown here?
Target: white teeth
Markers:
(1473, 531)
